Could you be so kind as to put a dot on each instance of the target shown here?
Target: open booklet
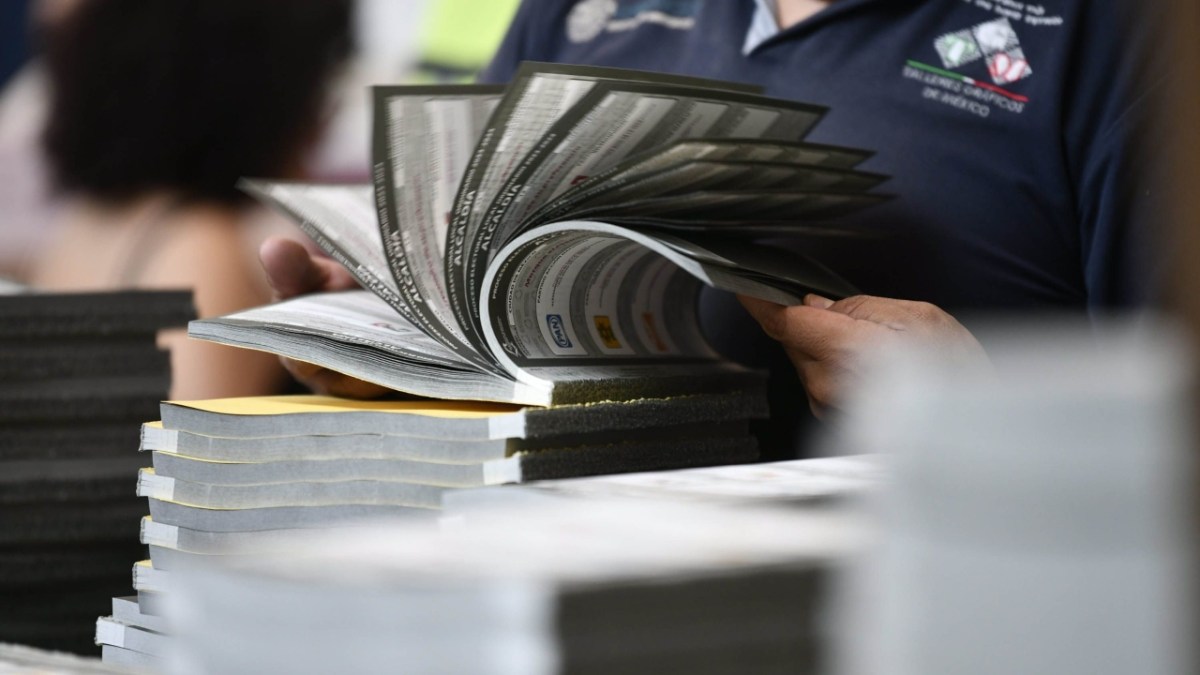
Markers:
(545, 242)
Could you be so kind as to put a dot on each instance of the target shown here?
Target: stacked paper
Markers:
(603, 587)
(277, 463)
(78, 374)
(237, 477)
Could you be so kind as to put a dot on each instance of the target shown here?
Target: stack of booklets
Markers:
(79, 373)
(546, 242)
(540, 246)
(603, 587)
(238, 476)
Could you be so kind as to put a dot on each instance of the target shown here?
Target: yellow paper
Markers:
(307, 403)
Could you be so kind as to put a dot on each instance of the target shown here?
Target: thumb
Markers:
(818, 301)
(886, 311)
(292, 270)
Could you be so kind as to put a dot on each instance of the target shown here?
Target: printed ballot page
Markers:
(423, 140)
(358, 334)
(341, 220)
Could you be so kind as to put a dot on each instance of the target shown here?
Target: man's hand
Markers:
(293, 270)
(827, 341)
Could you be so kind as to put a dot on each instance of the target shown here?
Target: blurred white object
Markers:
(583, 587)
(800, 482)
(388, 47)
(21, 660)
(1037, 518)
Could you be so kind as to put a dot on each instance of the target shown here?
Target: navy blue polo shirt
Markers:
(1003, 123)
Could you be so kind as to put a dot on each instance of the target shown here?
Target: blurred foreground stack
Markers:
(836, 482)
(601, 587)
(78, 374)
(1037, 515)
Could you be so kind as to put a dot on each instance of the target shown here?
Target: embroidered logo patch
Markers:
(1009, 66)
(979, 70)
(589, 18)
(957, 49)
(996, 36)
(996, 41)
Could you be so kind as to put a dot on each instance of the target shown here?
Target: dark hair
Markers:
(187, 95)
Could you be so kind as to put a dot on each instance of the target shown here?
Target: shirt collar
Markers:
(763, 26)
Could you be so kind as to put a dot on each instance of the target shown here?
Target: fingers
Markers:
(828, 341)
(816, 341)
(895, 314)
(920, 321)
(824, 340)
(289, 267)
(806, 328)
(332, 383)
(819, 410)
(292, 270)
(814, 300)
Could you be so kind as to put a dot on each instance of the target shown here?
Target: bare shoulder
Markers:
(211, 252)
(208, 249)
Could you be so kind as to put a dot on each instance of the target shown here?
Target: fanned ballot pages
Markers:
(545, 243)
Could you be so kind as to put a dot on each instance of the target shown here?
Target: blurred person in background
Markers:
(408, 42)
(156, 110)
(1009, 130)
(414, 41)
(25, 211)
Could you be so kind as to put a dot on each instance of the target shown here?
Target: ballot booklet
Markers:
(545, 242)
